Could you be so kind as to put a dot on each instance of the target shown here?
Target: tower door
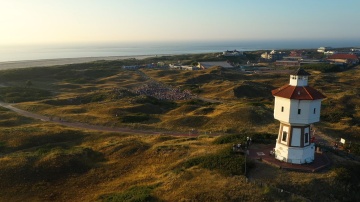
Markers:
(296, 137)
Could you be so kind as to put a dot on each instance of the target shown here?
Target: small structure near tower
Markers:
(297, 105)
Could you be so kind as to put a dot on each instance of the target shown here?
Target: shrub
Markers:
(224, 139)
(255, 137)
(134, 194)
(225, 161)
(22, 94)
(250, 89)
(135, 118)
(325, 68)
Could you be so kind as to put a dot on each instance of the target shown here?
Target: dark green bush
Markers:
(241, 138)
(136, 118)
(22, 94)
(225, 161)
(134, 194)
(232, 138)
(325, 68)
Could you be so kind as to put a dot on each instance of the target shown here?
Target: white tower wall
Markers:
(296, 147)
(287, 110)
(296, 137)
(296, 80)
(296, 155)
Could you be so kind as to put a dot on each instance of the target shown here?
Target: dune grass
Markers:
(43, 161)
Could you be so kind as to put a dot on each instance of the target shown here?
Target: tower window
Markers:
(299, 111)
(284, 136)
(282, 109)
(306, 137)
(314, 110)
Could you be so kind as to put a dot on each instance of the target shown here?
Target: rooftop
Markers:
(298, 93)
(223, 64)
(343, 56)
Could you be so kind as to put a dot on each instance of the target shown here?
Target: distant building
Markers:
(182, 67)
(189, 68)
(232, 53)
(254, 68)
(288, 63)
(273, 55)
(330, 52)
(355, 51)
(174, 66)
(312, 61)
(207, 65)
(323, 49)
(296, 61)
(294, 58)
(265, 55)
(344, 58)
(295, 53)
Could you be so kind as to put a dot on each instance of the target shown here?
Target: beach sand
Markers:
(63, 61)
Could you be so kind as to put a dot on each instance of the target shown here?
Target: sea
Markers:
(56, 51)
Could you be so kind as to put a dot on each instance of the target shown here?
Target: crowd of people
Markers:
(162, 92)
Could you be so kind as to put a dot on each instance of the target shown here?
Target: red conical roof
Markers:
(298, 93)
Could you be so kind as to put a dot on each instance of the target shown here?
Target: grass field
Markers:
(44, 161)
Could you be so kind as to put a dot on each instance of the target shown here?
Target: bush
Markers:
(22, 94)
(225, 139)
(249, 89)
(134, 194)
(325, 68)
(255, 137)
(225, 161)
(135, 118)
(198, 102)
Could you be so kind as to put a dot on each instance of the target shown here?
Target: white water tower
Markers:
(297, 105)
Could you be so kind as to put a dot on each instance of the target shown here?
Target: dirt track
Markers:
(91, 127)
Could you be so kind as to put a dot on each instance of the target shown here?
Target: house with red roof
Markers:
(344, 58)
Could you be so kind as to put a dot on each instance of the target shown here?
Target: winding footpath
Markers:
(90, 127)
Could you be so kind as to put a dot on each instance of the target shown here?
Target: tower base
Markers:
(295, 155)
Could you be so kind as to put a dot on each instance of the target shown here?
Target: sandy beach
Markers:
(63, 61)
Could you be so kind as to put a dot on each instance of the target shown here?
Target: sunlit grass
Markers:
(42, 161)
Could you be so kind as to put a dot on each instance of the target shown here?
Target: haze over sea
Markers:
(38, 52)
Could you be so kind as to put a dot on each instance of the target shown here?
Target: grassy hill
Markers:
(43, 161)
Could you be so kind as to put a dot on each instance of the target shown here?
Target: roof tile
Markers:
(343, 56)
(298, 93)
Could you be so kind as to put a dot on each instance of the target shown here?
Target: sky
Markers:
(99, 21)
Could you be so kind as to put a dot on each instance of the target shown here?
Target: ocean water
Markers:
(34, 52)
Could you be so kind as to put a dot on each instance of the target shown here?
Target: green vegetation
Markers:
(225, 161)
(44, 161)
(241, 138)
(325, 68)
(134, 194)
(22, 94)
